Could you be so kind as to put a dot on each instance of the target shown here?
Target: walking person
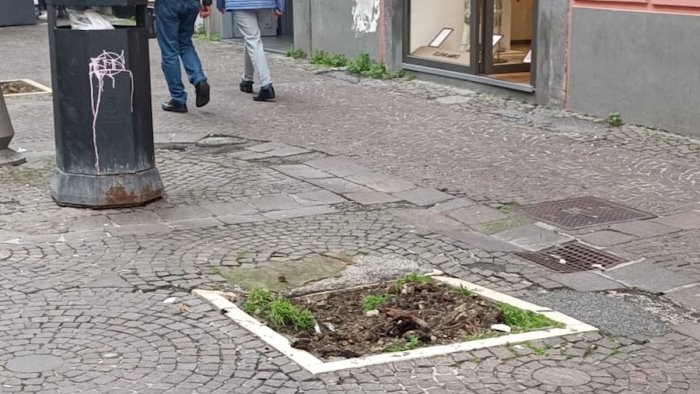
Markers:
(175, 21)
(248, 17)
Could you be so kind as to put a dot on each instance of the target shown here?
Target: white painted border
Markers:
(44, 89)
(317, 366)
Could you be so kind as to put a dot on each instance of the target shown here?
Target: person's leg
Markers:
(167, 26)
(247, 23)
(190, 60)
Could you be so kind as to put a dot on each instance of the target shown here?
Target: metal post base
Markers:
(106, 191)
(8, 157)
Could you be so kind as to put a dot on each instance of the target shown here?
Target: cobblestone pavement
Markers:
(99, 301)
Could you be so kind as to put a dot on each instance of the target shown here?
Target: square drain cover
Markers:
(572, 257)
(583, 212)
(22, 86)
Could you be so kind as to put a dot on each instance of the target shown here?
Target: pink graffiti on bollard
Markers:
(106, 65)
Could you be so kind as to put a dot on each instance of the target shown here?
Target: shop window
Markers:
(440, 33)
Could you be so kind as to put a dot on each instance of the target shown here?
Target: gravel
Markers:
(611, 316)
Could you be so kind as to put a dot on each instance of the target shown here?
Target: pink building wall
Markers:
(682, 7)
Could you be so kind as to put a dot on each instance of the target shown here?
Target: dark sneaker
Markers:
(172, 106)
(246, 86)
(265, 93)
(202, 88)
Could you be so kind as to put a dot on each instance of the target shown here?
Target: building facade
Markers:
(636, 57)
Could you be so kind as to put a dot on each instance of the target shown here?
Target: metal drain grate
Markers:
(572, 257)
(582, 212)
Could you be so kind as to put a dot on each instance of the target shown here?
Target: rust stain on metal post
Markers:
(118, 196)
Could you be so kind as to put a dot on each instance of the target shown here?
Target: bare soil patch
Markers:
(18, 87)
(413, 315)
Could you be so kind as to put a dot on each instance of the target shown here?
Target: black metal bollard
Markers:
(102, 112)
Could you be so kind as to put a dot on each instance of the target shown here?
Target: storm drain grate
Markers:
(582, 212)
(21, 87)
(572, 257)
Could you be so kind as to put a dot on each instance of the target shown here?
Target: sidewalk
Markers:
(416, 175)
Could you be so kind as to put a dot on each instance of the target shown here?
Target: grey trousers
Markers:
(249, 22)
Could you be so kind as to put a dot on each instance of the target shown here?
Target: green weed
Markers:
(364, 66)
(279, 312)
(525, 320)
(540, 351)
(614, 119)
(282, 313)
(403, 346)
(295, 53)
(413, 278)
(374, 301)
(463, 291)
(321, 58)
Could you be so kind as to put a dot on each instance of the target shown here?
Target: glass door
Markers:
(508, 44)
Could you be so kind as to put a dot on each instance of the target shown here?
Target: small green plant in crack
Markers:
(241, 254)
(509, 207)
(540, 351)
(464, 292)
(216, 270)
(413, 278)
(374, 301)
(366, 67)
(526, 320)
(404, 346)
(295, 53)
(321, 58)
(614, 119)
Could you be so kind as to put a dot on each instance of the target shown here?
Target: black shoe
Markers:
(246, 86)
(202, 89)
(172, 106)
(265, 93)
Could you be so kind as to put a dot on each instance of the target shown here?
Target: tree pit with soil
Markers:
(405, 314)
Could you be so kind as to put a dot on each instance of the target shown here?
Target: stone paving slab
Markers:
(643, 228)
(275, 203)
(692, 330)
(371, 197)
(340, 186)
(649, 277)
(453, 204)
(338, 166)
(321, 197)
(229, 208)
(423, 196)
(428, 220)
(686, 220)
(476, 214)
(689, 297)
(302, 171)
(586, 281)
(606, 238)
(381, 182)
(299, 212)
(532, 237)
(482, 241)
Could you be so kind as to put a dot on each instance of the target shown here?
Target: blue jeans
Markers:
(175, 27)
